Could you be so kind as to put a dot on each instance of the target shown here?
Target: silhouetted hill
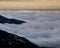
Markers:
(8, 40)
(10, 21)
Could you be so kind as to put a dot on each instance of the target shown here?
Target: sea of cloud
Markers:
(41, 27)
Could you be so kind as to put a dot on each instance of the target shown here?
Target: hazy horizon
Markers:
(29, 4)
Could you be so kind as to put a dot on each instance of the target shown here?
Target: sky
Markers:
(29, 4)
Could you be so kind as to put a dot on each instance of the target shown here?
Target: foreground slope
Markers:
(8, 40)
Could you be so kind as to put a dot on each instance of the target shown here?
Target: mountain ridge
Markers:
(10, 21)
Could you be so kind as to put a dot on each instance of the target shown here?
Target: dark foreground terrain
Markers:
(10, 21)
(8, 40)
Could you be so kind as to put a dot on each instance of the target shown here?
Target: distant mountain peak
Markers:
(10, 21)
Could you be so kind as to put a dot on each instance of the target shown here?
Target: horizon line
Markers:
(30, 9)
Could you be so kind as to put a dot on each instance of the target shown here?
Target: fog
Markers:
(41, 27)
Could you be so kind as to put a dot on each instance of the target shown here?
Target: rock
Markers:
(8, 40)
(10, 21)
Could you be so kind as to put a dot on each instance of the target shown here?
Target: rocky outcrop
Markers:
(8, 40)
(10, 21)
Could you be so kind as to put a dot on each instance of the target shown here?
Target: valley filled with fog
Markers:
(41, 27)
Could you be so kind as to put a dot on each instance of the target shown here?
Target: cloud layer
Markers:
(42, 27)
